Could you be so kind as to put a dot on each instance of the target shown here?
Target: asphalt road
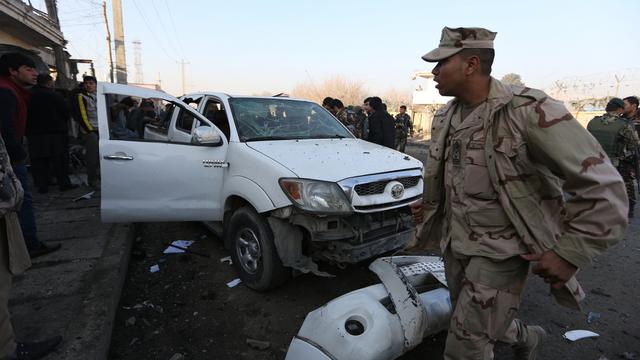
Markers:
(186, 307)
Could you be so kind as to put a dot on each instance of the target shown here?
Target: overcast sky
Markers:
(246, 47)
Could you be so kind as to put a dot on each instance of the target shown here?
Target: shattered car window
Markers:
(277, 119)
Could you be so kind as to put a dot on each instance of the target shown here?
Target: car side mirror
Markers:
(206, 135)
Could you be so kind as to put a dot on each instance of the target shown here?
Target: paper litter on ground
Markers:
(180, 243)
(86, 196)
(154, 268)
(233, 283)
(575, 335)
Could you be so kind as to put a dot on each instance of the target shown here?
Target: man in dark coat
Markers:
(47, 129)
(381, 124)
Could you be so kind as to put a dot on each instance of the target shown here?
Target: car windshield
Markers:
(277, 119)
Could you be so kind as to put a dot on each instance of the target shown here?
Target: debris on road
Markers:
(227, 259)
(341, 327)
(628, 355)
(130, 321)
(178, 246)
(133, 341)
(154, 268)
(593, 317)
(181, 246)
(599, 291)
(258, 344)
(86, 196)
(575, 335)
(233, 283)
(177, 356)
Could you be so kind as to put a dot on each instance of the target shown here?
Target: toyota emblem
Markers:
(397, 191)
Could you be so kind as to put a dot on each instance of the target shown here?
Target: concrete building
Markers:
(36, 33)
(426, 100)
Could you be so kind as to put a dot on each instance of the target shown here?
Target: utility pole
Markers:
(60, 58)
(184, 79)
(618, 81)
(137, 60)
(121, 62)
(106, 24)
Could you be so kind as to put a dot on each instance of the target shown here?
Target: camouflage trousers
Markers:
(401, 143)
(485, 295)
(627, 171)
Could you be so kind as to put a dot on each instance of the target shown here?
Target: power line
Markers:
(152, 32)
(164, 28)
(173, 25)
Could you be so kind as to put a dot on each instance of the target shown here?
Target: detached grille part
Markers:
(377, 187)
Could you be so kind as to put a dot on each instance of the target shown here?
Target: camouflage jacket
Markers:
(403, 124)
(532, 143)
(349, 119)
(626, 141)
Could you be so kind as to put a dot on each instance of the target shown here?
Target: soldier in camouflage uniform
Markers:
(494, 197)
(347, 117)
(404, 127)
(619, 140)
(631, 111)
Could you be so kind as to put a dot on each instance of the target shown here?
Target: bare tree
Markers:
(350, 92)
(512, 79)
(394, 98)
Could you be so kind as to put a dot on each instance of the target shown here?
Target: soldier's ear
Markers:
(472, 65)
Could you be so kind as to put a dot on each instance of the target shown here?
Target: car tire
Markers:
(253, 251)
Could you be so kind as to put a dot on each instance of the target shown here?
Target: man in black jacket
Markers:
(381, 123)
(47, 129)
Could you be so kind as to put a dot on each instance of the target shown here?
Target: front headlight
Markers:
(316, 196)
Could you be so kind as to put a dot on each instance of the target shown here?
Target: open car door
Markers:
(157, 166)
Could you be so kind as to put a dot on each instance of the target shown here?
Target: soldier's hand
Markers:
(551, 267)
(417, 212)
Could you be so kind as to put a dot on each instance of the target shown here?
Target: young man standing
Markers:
(86, 113)
(17, 72)
(492, 197)
(631, 113)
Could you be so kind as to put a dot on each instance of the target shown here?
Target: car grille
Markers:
(377, 187)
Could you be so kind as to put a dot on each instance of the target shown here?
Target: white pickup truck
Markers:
(285, 182)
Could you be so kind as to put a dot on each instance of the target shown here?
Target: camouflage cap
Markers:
(453, 41)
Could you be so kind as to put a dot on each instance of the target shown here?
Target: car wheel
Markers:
(253, 251)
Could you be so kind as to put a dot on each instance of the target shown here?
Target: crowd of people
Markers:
(372, 121)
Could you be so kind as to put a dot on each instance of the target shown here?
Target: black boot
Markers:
(36, 350)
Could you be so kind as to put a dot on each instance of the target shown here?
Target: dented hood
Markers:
(334, 159)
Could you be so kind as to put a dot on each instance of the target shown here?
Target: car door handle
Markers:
(118, 157)
(215, 163)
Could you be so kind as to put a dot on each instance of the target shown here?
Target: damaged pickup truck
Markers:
(283, 182)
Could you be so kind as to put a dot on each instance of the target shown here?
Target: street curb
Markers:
(89, 333)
